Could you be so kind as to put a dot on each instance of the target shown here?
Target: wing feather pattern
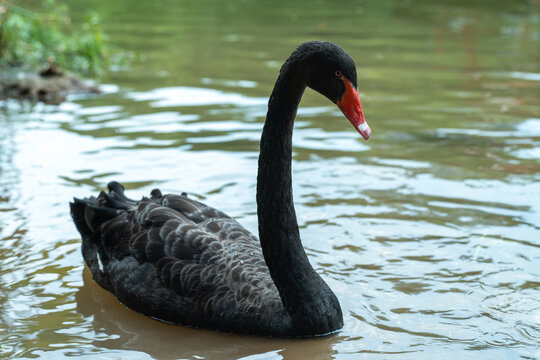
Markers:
(178, 260)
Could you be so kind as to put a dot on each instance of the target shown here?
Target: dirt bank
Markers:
(49, 86)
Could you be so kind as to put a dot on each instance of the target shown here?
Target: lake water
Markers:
(428, 233)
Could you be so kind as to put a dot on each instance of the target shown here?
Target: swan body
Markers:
(180, 261)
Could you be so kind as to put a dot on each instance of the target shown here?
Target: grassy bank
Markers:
(34, 33)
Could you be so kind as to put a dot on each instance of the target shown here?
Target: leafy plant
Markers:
(32, 37)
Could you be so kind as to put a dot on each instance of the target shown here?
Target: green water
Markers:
(428, 233)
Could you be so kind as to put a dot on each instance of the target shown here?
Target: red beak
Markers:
(352, 109)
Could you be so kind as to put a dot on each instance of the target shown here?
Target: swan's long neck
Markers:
(301, 289)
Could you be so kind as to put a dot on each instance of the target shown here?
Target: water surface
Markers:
(428, 233)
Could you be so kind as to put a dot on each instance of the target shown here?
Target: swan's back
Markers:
(180, 261)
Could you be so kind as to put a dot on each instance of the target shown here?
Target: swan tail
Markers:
(89, 213)
(78, 207)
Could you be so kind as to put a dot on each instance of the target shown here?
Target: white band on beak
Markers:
(363, 126)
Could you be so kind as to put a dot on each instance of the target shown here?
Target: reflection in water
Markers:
(428, 233)
(182, 96)
(131, 331)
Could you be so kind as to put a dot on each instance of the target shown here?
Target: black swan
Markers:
(181, 261)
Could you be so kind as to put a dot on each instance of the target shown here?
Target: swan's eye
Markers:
(338, 73)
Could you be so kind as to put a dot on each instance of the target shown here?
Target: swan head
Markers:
(330, 71)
